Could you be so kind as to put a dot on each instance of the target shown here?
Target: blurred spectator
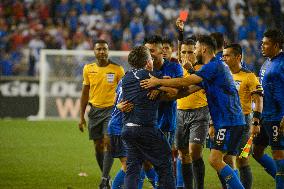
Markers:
(72, 24)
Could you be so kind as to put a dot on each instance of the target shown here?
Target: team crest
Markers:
(110, 77)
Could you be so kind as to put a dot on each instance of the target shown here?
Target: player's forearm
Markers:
(84, 102)
(170, 90)
(175, 82)
(258, 101)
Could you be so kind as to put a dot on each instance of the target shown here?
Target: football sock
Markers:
(100, 158)
(280, 174)
(224, 186)
(187, 173)
(141, 179)
(118, 180)
(269, 164)
(179, 178)
(152, 176)
(199, 173)
(228, 174)
(246, 176)
(108, 161)
(236, 172)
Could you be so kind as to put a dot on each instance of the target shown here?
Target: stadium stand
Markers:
(74, 24)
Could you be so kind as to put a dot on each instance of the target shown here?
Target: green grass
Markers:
(50, 154)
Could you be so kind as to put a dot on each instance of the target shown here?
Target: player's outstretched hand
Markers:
(281, 128)
(153, 94)
(82, 125)
(125, 106)
(149, 83)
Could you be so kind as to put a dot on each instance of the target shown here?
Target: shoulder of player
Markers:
(245, 70)
(111, 63)
(90, 66)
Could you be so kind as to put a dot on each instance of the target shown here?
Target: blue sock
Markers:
(237, 173)
(141, 179)
(179, 174)
(152, 176)
(227, 173)
(269, 164)
(118, 180)
(279, 174)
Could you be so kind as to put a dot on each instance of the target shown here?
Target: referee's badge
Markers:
(110, 77)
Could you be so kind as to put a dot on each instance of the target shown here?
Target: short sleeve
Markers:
(179, 70)
(86, 80)
(208, 71)
(254, 85)
(120, 73)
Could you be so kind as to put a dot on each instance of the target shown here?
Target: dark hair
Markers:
(219, 38)
(154, 39)
(276, 36)
(192, 37)
(100, 41)
(188, 41)
(139, 56)
(237, 49)
(167, 40)
(208, 41)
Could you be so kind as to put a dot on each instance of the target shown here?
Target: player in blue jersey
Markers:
(167, 111)
(272, 126)
(250, 91)
(220, 43)
(143, 139)
(114, 130)
(224, 105)
(168, 50)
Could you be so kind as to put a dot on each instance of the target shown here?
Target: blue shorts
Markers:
(147, 143)
(118, 149)
(276, 139)
(262, 138)
(227, 139)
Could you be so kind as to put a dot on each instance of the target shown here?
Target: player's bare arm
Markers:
(175, 82)
(83, 104)
(258, 101)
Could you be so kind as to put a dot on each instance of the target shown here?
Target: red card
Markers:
(183, 15)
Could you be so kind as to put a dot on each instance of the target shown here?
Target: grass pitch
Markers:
(51, 154)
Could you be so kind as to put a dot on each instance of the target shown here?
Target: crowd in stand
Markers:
(74, 24)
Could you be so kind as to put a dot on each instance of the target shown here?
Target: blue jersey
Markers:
(272, 80)
(219, 55)
(145, 111)
(222, 95)
(115, 122)
(167, 111)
